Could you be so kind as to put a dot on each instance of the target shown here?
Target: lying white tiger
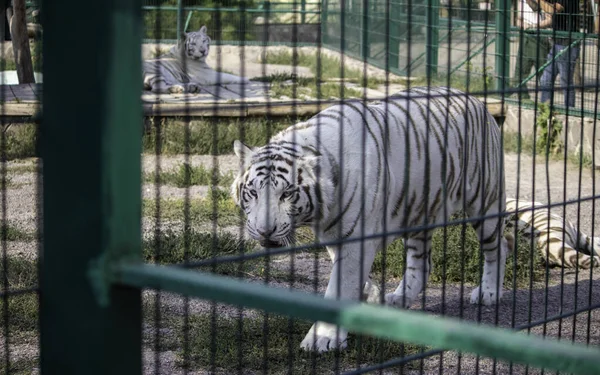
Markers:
(168, 74)
(312, 174)
(550, 230)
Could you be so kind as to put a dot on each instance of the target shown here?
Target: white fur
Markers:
(358, 134)
(171, 74)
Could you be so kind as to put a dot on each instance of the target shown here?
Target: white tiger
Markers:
(312, 174)
(169, 74)
(556, 237)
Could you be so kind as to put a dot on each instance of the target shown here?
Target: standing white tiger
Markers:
(556, 237)
(311, 174)
(169, 74)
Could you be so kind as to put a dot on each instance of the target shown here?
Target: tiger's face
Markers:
(197, 44)
(278, 190)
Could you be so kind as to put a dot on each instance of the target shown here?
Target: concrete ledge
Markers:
(578, 132)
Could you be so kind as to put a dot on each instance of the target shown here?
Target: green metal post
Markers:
(502, 44)
(303, 9)
(365, 31)
(394, 37)
(91, 147)
(433, 30)
(187, 21)
(324, 11)
(179, 19)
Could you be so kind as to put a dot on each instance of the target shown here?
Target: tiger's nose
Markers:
(267, 233)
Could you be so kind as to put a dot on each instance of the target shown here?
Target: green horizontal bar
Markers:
(450, 333)
(233, 10)
(395, 324)
(229, 290)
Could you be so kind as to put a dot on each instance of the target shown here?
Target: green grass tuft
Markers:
(448, 265)
(329, 67)
(526, 145)
(281, 353)
(21, 141)
(218, 206)
(22, 309)
(174, 247)
(16, 234)
(188, 175)
(211, 137)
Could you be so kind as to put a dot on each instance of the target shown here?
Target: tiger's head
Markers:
(279, 188)
(196, 44)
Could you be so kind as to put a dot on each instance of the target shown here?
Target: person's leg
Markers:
(566, 68)
(543, 47)
(549, 75)
(529, 55)
(523, 65)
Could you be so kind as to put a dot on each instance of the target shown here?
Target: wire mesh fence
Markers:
(306, 147)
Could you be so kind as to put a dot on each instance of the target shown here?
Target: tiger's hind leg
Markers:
(553, 251)
(418, 269)
(490, 234)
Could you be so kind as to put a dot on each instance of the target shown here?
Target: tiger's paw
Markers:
(192, 88)
(328, 337)
(398, 300)
(176, 89)
(486, 297)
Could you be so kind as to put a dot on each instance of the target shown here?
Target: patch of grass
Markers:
(22, 309)
(172, 247)
(218, 206)
(458, 253)
(211, 137)
(279, 351)
(24, 168)
(329, 67)
(525, 144)
(188, 175)
(20, 366)
(313, 90)
(36, 58)
(475, 80)
(21, 141)
(16, 234)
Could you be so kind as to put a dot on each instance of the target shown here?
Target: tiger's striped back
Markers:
(557, 239)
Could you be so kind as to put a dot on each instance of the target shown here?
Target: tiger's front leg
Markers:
(418, 269)
(344, 283)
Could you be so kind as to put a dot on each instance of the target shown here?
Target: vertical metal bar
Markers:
(433, 30)
(187, 21)
(394, 36)
(179, 18)
(303, 9)
(91, 144)
(365, 31)
(502, 44)
(324, 10)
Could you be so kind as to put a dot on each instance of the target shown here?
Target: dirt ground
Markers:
(567, 291)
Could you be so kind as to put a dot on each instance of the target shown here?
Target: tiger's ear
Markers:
(243, 152)
(203, 29)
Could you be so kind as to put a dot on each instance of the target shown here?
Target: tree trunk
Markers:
(20, 41)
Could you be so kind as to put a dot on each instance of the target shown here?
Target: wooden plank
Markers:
(196, 109)
(220, 92)
(14, 109)
(24, 93)
(36, 89)
(219, 109)
(6, 94)
(258, 90)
